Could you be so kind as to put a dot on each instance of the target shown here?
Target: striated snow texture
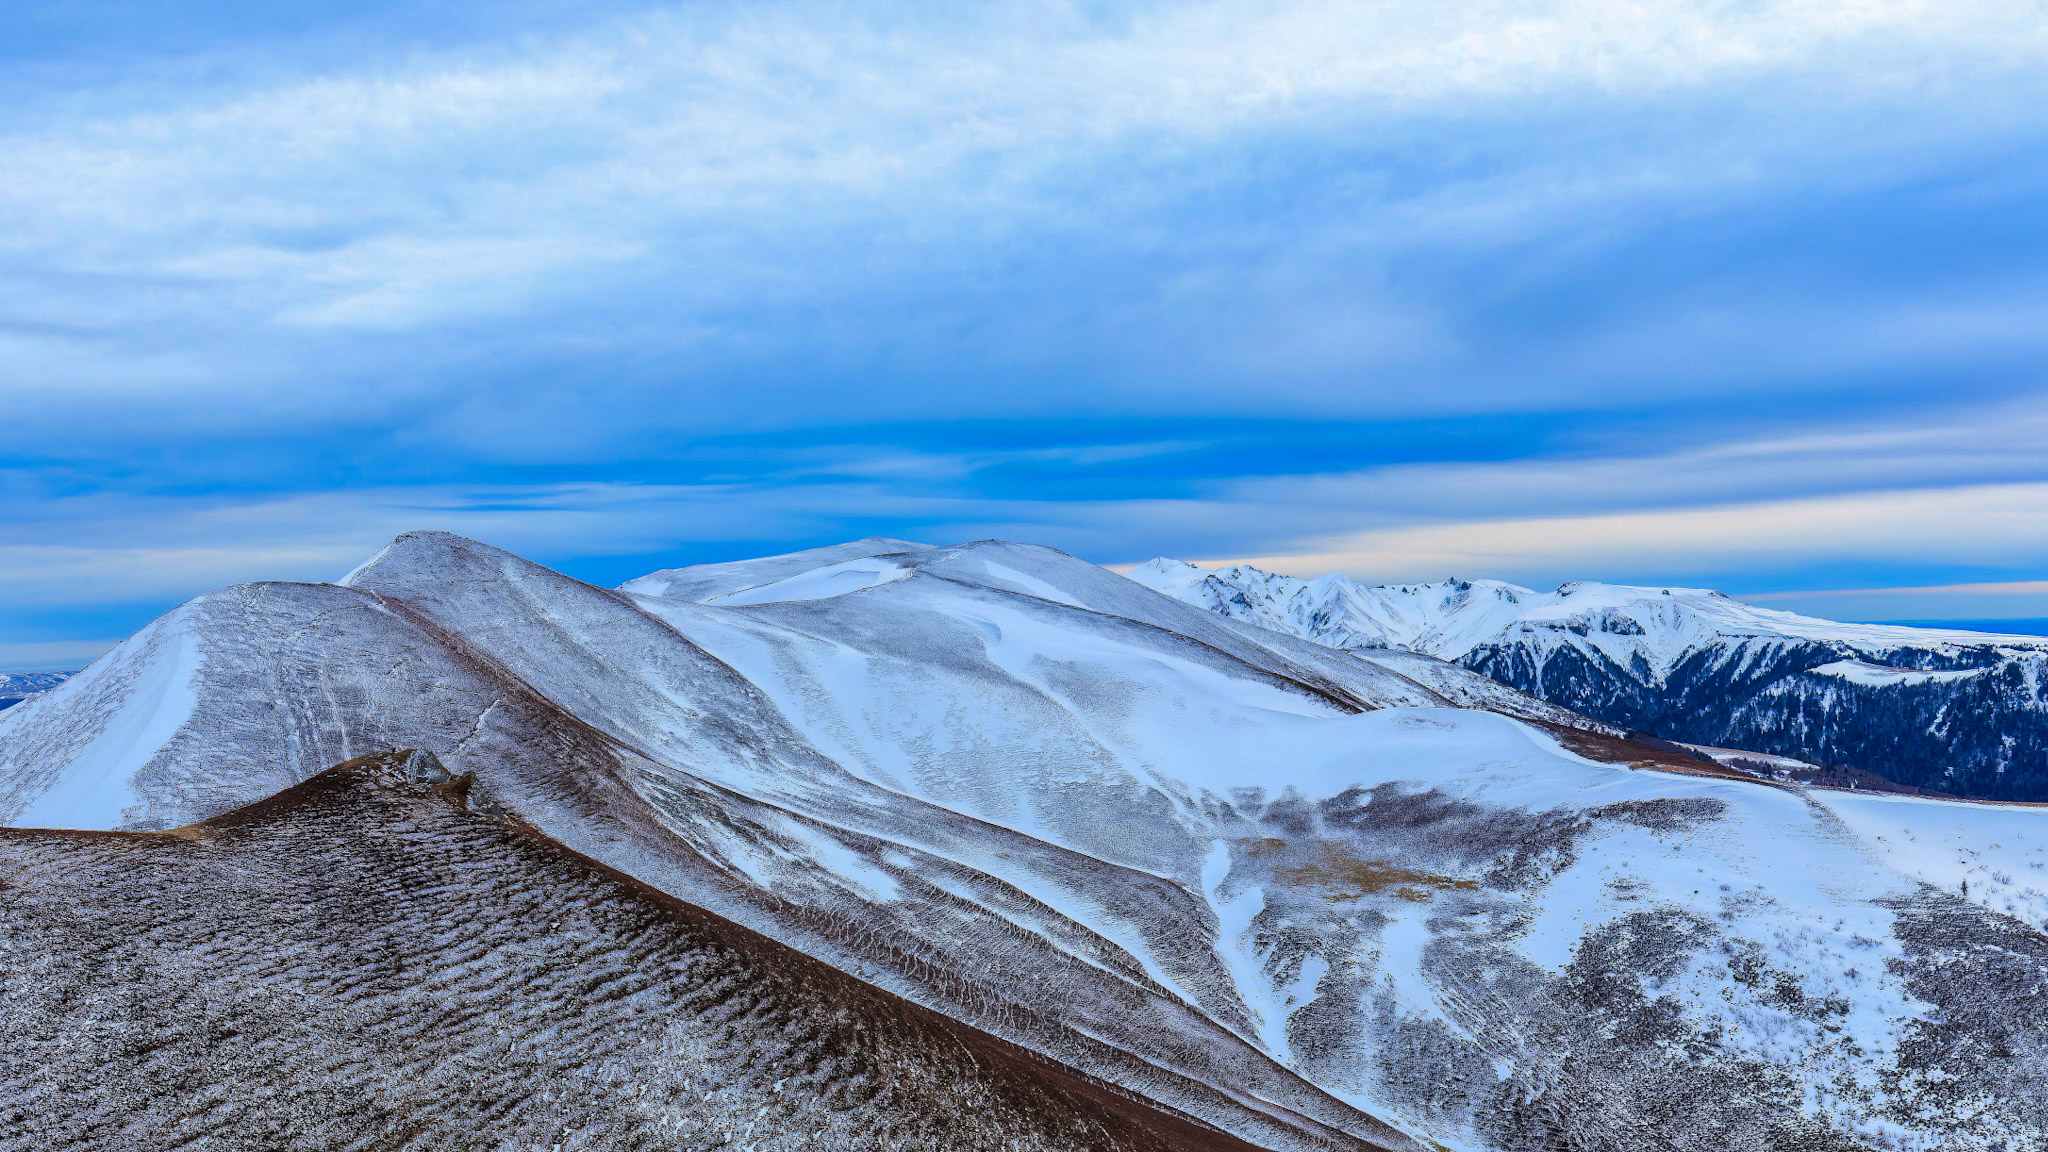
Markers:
(366, 962)
(1952, 711)
(1301, 896)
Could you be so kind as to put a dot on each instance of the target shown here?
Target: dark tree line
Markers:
(1983, 736)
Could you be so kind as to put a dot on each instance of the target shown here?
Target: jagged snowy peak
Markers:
(1268, 884)
(1933, 708)
(1442, 619)
(1450, 618)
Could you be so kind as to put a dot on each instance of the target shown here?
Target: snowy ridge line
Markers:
(1302, 678)
(1449, 618)
(667, 726)
(645, 843)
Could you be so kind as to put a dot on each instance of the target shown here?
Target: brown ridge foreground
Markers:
(373, 959)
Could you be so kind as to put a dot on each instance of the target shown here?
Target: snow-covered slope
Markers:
(723, 581)
(1293, 893)
(1944, 709)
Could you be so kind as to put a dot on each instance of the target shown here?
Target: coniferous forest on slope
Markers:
(1983, 737)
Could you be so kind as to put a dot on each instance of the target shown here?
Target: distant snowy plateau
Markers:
(1962, 713)
(1139, 872)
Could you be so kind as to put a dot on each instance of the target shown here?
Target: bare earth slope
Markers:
(365, 962)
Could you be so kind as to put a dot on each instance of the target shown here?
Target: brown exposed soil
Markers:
(1340, 875)
(1640, 754)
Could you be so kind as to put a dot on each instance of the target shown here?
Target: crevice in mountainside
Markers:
(361, 961)
(915, 963)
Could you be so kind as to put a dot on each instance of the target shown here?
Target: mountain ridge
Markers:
(1301, 896)
(1693, 665)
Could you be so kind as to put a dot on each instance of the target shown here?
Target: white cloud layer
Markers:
(205, 239)
(1643, 519)
(1993, 525)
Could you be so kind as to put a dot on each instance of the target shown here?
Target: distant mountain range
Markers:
(1945, 710)
(18, 686)
(1085, 859)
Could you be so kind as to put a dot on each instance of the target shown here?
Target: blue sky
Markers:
(1751, 295)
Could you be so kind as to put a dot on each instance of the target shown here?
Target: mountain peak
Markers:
(1690, 664)
(427, 548)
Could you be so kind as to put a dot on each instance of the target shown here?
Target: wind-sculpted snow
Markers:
(719, 581)
(1946, 710)
(1316, 900)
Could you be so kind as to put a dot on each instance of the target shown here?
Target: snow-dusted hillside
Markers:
(1287, 891)
(1946, 710)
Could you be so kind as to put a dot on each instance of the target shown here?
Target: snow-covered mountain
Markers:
(18, 686)
(1945, 710)
(1293, 894)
